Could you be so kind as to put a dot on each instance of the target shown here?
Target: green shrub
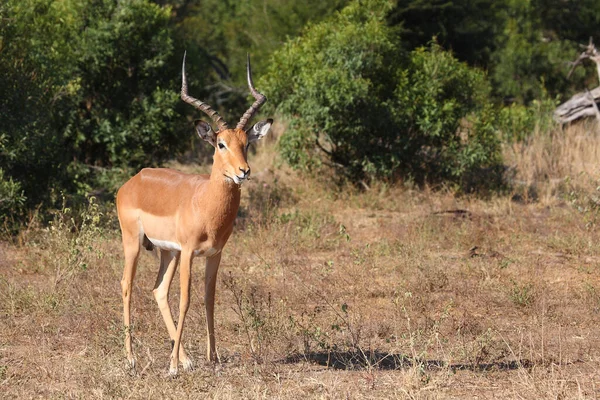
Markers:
(443, 113)
(85, 86)
(330, 83)
(12, 201)
(356, 102)
(129, 119)
(530, 59)
(517, 122)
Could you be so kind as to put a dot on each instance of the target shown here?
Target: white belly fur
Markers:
(172, 246)
(165, 245)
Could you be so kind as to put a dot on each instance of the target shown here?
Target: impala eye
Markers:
(221, 145)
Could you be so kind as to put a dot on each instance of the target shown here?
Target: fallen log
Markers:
(583, 104)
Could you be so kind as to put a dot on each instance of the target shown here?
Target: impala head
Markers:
(231, 145)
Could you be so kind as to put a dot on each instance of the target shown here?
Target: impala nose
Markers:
(246, 172)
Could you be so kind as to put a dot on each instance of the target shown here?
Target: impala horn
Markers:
(222, 125)
(260, 99)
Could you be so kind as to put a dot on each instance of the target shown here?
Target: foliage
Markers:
(12, 200)
(88, 88)
(130, 118)
(431, 103)
(372, 110)
(526, 62)
(257, 27)
(523, 44)
(467, 27)
(517, 122)
(84, 85)
(331, 77)
(239, 28)
(571, 20)
(32, 75)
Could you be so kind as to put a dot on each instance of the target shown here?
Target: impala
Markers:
(184, 216)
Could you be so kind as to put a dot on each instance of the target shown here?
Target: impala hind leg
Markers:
(168, 266)
(210, 281)
(185, 272)
(131, 247)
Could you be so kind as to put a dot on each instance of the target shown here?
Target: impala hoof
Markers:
(172, 372)
(131, 363)
(188, 365)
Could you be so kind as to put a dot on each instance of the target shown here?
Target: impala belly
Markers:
(173, 246)
(158, 229)
(161, 232)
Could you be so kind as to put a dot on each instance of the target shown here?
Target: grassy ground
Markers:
(390, 293)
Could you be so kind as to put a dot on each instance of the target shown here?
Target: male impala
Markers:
(186, 215)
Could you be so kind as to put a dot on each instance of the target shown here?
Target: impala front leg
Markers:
(185, 272)
(210, 281)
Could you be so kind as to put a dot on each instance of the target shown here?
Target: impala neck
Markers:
(224, 193)
(224, 187)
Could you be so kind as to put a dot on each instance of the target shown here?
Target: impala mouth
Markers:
(236, 179)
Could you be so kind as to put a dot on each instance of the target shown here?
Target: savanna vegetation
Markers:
(417, 226)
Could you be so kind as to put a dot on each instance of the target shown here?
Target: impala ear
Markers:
(259, 130)
(205, 132)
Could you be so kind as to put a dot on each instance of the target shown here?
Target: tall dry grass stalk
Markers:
(549, 162)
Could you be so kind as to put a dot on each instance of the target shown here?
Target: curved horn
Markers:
(222, 125)
(260, 99)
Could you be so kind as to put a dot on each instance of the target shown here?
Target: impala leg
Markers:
(168, 265)
(184, 303)
(131, 248)
(210, 281)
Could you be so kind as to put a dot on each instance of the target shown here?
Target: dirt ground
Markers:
(388, 293)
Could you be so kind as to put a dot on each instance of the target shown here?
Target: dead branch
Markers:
(591, 53)
(582, 104)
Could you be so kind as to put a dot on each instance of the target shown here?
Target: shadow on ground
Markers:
(358, 360)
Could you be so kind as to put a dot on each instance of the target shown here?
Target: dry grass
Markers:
(392, 293)
(550, 160)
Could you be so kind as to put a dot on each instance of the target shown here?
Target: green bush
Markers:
(443, 111)
(12, 201)
(529, 59)
(85, 86)
(130, 118)
(36, 53)
(331, 82)
(517, 122)
(356, 102)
